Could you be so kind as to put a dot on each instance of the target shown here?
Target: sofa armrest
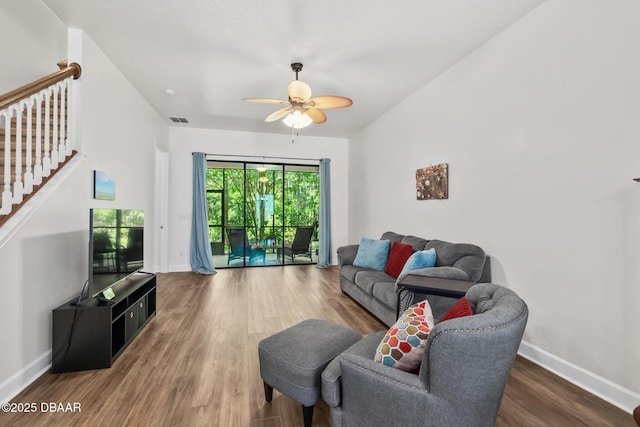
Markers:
(347, 254)
(451, 273)
(376, 394)
(332, 374)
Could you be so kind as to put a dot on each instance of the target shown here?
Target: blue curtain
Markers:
(324, 229)
(201, 259)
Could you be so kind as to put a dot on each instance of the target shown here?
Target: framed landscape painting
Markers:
(104, 186)
(432, 183)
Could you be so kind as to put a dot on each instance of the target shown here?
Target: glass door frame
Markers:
(265, 249)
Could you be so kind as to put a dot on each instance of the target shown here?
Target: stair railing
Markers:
(34, 135)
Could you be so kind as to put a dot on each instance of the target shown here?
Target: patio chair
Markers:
(240, 246)
(301, 245)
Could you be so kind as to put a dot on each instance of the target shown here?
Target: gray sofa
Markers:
(376, 291)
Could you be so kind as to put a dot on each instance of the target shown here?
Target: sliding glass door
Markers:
(262, 213)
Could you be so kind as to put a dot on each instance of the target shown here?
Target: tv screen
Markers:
(116, 246)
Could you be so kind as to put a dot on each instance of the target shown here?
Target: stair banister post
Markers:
(72, 111)
(17, 183)
(54, 138)
(46, 162)
(28, 173)
(5, 208)
(37, 169)
(64, 147)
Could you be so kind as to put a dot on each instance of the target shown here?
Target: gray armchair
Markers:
(465, 368)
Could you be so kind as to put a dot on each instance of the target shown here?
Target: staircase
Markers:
(34, 136)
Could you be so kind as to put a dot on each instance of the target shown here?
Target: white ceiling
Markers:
(212, 53)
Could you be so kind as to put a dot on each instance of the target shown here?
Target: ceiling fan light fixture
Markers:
(297, 120)
(301, 110)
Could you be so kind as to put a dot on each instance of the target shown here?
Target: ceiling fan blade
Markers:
(329, 102)
(299, 91)
(278, 114)
(316, 115)
(265, 100)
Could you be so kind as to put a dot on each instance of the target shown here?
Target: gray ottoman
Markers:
(292, 360)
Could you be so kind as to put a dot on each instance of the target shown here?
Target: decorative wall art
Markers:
(433, 182)
(104, 186)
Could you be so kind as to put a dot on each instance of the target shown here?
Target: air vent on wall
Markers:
(179, 120)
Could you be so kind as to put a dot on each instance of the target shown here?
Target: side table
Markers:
(413, 284)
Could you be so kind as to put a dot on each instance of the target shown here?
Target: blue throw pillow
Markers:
(372, 254)
(420, 259)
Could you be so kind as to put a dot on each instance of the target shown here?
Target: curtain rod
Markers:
(259, 157)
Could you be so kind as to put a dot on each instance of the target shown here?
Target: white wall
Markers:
(120, 132)
(184, 141)
(45, 263)
(35, 40)
(540, 129)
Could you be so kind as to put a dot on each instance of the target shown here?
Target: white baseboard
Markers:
(609, 391)
(21, 379)
(179, 268)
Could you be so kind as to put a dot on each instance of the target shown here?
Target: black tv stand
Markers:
(92, 333)
(104, 301)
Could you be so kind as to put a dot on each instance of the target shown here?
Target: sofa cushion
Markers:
(420, 259)
(372, 254)
(366, 279)
(418, 243)
(398, 256)
(403, 344)
(349, 272)
(385, 293)
(390, 235)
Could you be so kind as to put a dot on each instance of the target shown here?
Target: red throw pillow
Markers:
(398, 256)
(461, 309)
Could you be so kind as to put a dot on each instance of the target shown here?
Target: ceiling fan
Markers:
(301, 110)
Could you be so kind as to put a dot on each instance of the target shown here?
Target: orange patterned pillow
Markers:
(403, 345)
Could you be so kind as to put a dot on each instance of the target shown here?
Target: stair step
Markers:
(34, 116)
(12, 137)
(34, 127)
(23, 146)
(2, 163)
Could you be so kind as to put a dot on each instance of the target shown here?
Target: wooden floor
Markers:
(196, 362)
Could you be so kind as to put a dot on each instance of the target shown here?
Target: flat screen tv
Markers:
(116, 247)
